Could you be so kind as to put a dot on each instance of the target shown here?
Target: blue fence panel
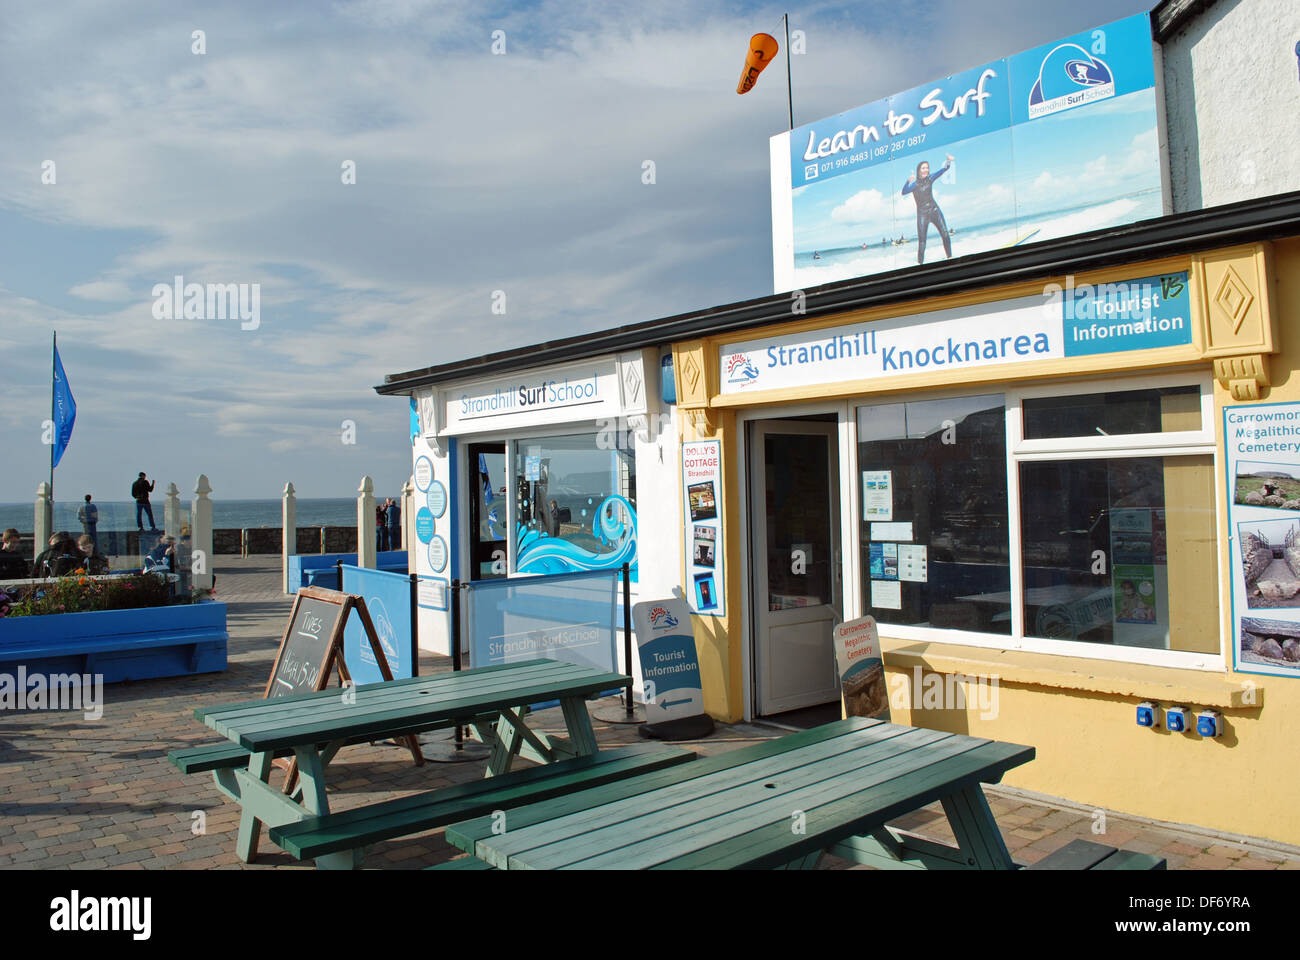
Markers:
(569, 616)
(388, 598)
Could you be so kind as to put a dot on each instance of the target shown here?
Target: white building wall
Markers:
(1232, 101)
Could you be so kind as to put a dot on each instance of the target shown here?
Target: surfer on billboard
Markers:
(921, 186)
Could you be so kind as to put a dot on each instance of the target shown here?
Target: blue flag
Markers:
(487, 480)
(65, 409)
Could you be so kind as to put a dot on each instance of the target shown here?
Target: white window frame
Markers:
(512, 440)
(1199, 442)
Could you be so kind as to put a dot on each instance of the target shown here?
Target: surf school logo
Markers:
(661, 619)
(1069, 77)
(740, 369)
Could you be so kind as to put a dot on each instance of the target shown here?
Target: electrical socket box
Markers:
(1148, 715)
(1177, 719)
(1209, 723)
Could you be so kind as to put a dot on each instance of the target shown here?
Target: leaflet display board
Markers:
(701, 488)
(862, 669)
(670, 666)
(1262, 443)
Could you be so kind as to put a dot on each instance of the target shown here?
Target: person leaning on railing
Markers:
(13, 565)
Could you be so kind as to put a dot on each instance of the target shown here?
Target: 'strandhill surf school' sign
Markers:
(862, 192)
(1141, 314)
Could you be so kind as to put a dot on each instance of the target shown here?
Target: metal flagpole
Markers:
(789, 91)
(54, 352)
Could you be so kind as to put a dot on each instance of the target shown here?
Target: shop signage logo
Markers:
(740, 369)
(1069, 76)
(661, 619)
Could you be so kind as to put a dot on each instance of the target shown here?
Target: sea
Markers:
(236, 514)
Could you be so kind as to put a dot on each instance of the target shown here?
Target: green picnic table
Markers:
(313, 726)
(780, 803)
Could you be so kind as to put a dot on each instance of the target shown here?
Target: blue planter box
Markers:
(120, 644)
(320, 568)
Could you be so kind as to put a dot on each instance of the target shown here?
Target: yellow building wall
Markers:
(1080, 713)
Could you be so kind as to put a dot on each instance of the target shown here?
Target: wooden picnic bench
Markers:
(314, 726)
(774, 804)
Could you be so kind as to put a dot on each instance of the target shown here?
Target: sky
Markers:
(132, 155)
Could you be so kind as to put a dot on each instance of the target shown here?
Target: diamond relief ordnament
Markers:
(1234, 299)
(633, 382)
(692, 373)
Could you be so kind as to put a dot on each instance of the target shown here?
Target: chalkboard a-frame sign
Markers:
(312, 649)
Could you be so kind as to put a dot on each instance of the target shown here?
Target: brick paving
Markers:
(100, 794)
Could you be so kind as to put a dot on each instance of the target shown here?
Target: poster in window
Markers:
(877, 495)
(1262, 443)
(704, 504)
(1135, 593)
(705, 584)
(705, 543)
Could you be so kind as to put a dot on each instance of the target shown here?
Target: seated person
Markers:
(94, 562)
(61, 559)
(162, 558)
(13, 565)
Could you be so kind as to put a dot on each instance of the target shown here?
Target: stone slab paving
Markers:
(92, 794)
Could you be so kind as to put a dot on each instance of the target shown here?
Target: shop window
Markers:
(1113, 530)
(935, 545)
(575, 504)
(1114, 413)
(1108, 543)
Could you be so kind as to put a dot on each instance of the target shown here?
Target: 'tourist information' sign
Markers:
(670, 666)
(1141, 314)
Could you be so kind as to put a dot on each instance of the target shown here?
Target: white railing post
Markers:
(44, 525)
(366, 523)
(201, 534)
(408, 515)
(289, 532)
(172, 511)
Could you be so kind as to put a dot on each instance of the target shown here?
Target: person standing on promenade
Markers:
(381, 530)
(140, 490)
(393, 514)
(88, 515)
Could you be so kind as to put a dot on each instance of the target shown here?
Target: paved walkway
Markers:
(89, 794)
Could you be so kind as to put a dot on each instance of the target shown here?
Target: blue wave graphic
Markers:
(614, 523)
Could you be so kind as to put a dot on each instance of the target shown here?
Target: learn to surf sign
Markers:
(1051, 142)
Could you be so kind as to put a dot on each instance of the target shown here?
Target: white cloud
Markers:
(865, 206)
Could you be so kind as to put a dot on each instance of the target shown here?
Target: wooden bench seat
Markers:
(462, 863)
(353, 829)
(1086, 855)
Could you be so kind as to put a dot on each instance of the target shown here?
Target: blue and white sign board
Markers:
(1145, 313)
(1058, 140)
(571, 617)
(436, 499)
(1262, 443)
(388, 598)
(670, 665)
(423, 473)
(424, 524)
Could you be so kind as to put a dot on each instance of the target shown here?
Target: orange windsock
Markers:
(762, 48)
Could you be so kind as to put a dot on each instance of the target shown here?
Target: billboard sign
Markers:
(1058, 140)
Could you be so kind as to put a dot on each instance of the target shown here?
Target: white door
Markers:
(794, 540)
